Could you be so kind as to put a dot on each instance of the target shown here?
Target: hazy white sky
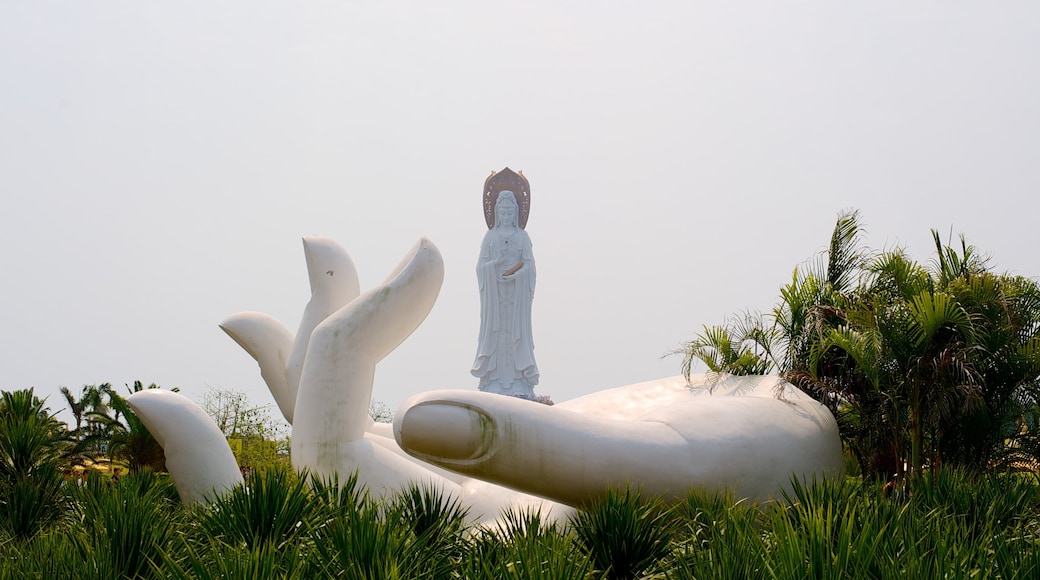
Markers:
(160, 161)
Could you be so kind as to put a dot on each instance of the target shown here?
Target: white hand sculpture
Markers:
(197, 455)
(323, 380)
(666, 437)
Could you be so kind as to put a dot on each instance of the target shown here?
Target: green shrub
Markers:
(127, 531)
(32, 445)
(624, 534)
(525, 546)
(273, 507)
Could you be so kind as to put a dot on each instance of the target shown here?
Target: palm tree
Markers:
(1005, 311)
(95, 398)
(941, 377)
(949, 345)
(734, 349)
(916, 363)
(76, 406)
(124, 436)
(809, 305)
(813, 303)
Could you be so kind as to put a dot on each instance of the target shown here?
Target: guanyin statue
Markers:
(505, 361)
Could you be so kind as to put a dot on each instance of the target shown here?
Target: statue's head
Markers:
(506, 209)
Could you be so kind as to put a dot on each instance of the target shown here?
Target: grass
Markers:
(954, 525)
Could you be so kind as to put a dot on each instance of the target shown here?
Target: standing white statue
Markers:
(506, 274)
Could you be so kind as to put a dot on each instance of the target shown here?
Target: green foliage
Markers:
(334, 497)
(122, 436)
(254, 451)
(128, 527)
(273, 507)
(30, 504)
(830, 530)
(252, 433)
(720, 537)
(433, 514)
(525, 546)
(376, 542)
(32, 446)
(733, 350)
(836, 529)
(50, 555)
(954, 524)
(214, 560)
(919, 364)
(624, 533)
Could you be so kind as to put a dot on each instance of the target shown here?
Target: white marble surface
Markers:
(197, 454)
(506, 276)
(664, 436)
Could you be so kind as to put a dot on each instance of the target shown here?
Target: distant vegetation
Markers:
(922, 365)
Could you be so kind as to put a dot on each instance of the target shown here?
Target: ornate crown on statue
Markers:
(507, 180)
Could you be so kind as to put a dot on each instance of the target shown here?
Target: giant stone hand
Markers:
(322, 381)
(666, 436)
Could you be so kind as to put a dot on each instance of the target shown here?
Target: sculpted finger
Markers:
(386, 315)
(336, 385)
(334, 283)
(197, 454)
(554, 453)
(751, 445)
(269, 343)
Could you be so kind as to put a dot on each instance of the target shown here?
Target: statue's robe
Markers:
(518, 364)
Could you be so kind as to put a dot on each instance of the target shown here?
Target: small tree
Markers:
(380, 412)
(252, 433)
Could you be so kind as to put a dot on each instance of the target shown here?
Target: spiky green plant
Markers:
(334, 497)
(718, 536)
(53, 554)
(32, 446)
(523, 545)
(370, 543)
(127, 531)
(215, 560)
(624, 533)
(982, 503)
(273, 508)
(433, 514)
(828, 529)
